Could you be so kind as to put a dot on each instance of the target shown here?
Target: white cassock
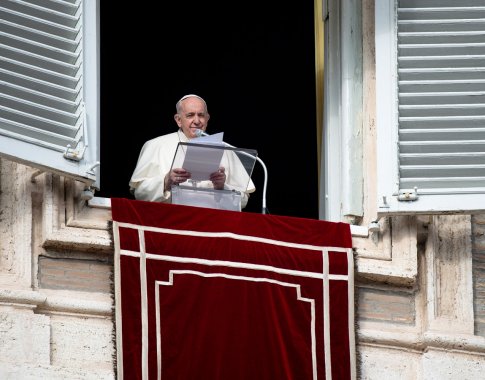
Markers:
(155, 161)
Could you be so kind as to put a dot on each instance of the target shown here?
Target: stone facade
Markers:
(56, 270)
(420, 304)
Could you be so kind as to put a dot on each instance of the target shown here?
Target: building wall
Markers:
(478, 273)
(56, 270)
(419, 292)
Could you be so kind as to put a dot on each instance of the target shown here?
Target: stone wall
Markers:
(478, 265)
(419, 302)
(55, 280)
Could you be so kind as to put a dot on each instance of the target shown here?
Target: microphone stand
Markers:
(265, 183)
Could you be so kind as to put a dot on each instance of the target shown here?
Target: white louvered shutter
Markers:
(438, 109)
(49, 85)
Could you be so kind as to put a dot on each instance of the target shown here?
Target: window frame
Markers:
(341, 183)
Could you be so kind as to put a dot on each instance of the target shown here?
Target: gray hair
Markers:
(178, 106)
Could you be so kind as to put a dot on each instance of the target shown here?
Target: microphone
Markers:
(200, 133)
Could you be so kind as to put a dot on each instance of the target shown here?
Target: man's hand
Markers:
(218, 178)
(175, 177)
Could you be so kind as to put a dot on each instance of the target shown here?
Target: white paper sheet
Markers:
(200, 161)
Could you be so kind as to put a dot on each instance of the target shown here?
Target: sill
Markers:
(105, 203)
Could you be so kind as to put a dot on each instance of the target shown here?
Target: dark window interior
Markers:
(255, 67)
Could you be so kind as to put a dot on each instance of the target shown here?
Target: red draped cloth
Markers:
(222, 295)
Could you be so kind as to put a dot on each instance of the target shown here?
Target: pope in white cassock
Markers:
(154, 176)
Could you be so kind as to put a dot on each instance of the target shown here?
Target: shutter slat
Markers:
(442, 146)
(425, 172)
(423, 4)
(39, 110)
(37, 97)
(38, 49)
(43, 26)
(460, 158)
(441, 110)
(69, 7)
(37, 36)
(438, 14)
(441, 122)
(446, 184)
(36, 123)
(28, 58)
(441, 61)
(441, 37)
(40, 75)
(47, 87)
(453, 134)
(424, 86)
(45, 13)
(455, 25)
(12, 128)
(448, 97)
(448, 49)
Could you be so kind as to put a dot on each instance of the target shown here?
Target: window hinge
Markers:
(408, 194)
(74, 154)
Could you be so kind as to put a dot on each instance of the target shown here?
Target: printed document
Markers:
(202, 161)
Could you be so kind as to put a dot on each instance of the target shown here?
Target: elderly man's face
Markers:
(193, 116)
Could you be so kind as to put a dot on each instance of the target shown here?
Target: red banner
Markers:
(223, 295)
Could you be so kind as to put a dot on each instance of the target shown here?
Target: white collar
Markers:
(182, 137)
